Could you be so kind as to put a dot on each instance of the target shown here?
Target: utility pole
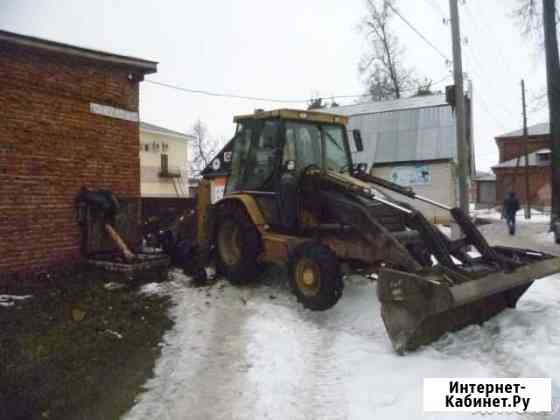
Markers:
(553, 82)
(526, 141)
(462, 150)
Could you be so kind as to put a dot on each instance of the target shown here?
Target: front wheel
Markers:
(315, 276)
(238, 245)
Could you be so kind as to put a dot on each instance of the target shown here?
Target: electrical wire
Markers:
(262, 99)
(420, 34)
(223, 95)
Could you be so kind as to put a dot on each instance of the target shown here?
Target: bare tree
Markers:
(385, 74)
(529, 16)
(316, 103)
(203, 149)
(424, 88)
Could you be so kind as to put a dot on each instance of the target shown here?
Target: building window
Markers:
(543, 156)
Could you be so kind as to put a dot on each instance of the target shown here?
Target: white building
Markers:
(411, 142)
(164, 162)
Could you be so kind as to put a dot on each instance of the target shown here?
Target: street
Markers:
(254, 353)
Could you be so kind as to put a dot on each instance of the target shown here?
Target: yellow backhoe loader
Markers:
(285, 190)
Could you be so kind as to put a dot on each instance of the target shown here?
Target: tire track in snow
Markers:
(201, 373)
(292, 359)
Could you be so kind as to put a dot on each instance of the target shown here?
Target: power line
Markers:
(223, 95)
(420, 34)
(262, 99)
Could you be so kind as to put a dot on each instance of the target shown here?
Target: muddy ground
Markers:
(77, 350)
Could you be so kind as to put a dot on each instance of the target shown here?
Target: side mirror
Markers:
(358, 140)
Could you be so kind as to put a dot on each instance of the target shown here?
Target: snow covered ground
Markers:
(493, 214)
(255, 353)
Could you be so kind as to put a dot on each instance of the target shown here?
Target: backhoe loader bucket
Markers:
(418, 309)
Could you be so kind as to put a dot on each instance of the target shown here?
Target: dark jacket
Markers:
(511, 206)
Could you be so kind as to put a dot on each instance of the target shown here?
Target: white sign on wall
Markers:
(111, 111)
(412, 175)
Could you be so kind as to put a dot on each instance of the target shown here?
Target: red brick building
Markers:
(68, 118)
(510, 172)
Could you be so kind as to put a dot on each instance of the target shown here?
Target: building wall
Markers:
(405, 135)
(442, 188)
(152, 184)
(511, 148)
(51, 145)
(510, 179)
(485, 194)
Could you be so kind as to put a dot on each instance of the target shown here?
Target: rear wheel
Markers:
(238, 244)
(315, 276)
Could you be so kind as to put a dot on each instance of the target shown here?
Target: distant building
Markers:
(483, 191)
(412, 142)
(510, 172)
(164, 157)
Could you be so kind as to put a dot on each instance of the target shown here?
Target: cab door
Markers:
(256, 159)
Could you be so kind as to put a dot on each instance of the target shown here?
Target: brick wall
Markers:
(51, 145)
(510, 179)
(511, 148)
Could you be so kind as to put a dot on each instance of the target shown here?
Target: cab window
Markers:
(241, 146)
(261, 163)
(303, 145)
(335, 146)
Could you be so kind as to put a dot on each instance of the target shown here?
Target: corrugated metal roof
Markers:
(161, 130)
(534, 160)
(534, 130)
(427, 101)
(412, 129)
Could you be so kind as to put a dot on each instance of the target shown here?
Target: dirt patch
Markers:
(76, 349)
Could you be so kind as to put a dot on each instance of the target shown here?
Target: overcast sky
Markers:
(288, 50)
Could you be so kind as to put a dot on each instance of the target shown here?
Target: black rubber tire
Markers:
(556, 229)
(247, 268)
(330, 278)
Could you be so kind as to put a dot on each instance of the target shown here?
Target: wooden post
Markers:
(553, 87)
(462, 149)
(526, 142)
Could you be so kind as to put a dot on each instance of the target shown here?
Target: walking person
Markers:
(511, 207)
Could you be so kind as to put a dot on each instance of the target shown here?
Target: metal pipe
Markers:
(432, 202)
(390, 204)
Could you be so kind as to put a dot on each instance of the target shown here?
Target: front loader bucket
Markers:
(419, 308)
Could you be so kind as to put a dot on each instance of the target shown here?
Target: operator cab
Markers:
(270, 151)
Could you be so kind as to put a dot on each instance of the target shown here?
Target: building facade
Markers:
(483, 191)
(511, 173)
(411, 142)
(68, 118)
(164, 162)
